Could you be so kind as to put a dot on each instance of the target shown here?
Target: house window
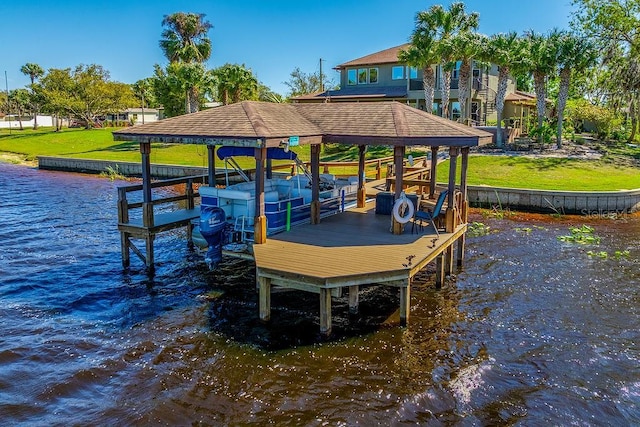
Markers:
(413, 72)
(397, 72)
(362, 76)
(373, 75)
(436, 109)
(351, 77)
(456, 70)
(455, 110)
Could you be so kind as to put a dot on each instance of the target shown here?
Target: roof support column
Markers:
(465, 204)
(432, 172)
(451, 208)
(362, 193)
(398, 159)
(211, 158)
(260, 220)
(315, 184)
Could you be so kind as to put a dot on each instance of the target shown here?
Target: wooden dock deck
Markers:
(347, 250)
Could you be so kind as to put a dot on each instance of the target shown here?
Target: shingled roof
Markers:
(387, 56)
(253, 123)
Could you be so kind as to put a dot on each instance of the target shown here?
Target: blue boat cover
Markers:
(276, 153)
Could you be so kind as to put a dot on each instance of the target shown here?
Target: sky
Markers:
(269, 37)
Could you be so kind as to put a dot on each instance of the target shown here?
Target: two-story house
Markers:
(380, 76)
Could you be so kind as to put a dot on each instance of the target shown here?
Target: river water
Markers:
(534, 331)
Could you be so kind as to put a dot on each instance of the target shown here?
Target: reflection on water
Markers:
(533, 331)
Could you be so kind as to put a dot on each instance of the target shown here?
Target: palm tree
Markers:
(468, 45)
(34, 71)
(421, 54)
(448, 23)
(575, 55)
(541, 59)
(235, 83)
(185, 37)
(504, 50)
(184, 40)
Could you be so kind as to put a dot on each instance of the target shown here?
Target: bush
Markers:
(605, 123)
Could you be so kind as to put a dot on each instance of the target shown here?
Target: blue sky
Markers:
(270, 37)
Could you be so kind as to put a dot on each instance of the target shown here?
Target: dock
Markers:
(346, 251)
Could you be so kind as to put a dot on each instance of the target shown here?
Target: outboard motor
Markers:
(212, 228)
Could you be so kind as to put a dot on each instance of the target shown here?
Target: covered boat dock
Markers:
(349, 249)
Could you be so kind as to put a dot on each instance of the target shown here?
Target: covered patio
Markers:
(262, 125)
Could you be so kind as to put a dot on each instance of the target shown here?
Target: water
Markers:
(533, 332)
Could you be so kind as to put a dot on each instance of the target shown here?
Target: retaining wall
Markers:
(124, 168)
(568, 202)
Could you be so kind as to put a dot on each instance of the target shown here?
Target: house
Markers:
(135, 116)
(380, 76)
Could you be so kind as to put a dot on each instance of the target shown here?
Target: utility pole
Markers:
(321, 80)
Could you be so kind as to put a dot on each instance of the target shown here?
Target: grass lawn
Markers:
(547, 173)
(502, 171)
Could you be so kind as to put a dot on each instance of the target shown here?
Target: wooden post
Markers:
(123, 218)
(398, 159)
(433, 172)
(354, 300)
(450, 213)
(264, 289)
(379, 170)
(361, 187)
(465, 203)
(315, 184)
(147, 203)
(405, 303)
(269, 168)
(448, 260)
(439, 271)
(260, 220)
(211, 163)
(325, 311)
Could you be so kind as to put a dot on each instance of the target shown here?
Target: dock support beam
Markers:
(405, 303)
(315, 184)
(433, 172)
(264, 289)
(439, 271)
(465, 203)
(147, 203)
(354, 299)
(325, 312)
(362, 193)
(260, 220)
(211, 160)
(398, 159)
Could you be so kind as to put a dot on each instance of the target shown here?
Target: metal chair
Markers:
(421, 216)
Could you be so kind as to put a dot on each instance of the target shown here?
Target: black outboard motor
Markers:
(212, 228)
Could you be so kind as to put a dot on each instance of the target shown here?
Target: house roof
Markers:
(387, 56)
(519, 96)
(358, 91)
(258, 124)
(140, 110)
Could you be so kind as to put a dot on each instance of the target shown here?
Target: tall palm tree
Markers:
(468, 46)
(34, 71)
(504, 50)
(448, 23)
(185, 37)
(541, 59)
(575, 55)
(184, 40)
(421, 54)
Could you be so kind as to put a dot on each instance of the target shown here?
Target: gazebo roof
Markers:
(258, 124)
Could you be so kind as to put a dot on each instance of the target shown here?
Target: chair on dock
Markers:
(421, 216)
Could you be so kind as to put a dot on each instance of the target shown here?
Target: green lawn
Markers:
(547, 173)
(502, 171)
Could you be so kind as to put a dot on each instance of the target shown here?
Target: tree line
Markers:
(594, 65)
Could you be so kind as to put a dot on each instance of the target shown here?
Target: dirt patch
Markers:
(16, 159)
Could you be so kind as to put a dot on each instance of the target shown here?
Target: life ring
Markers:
(403, 209)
